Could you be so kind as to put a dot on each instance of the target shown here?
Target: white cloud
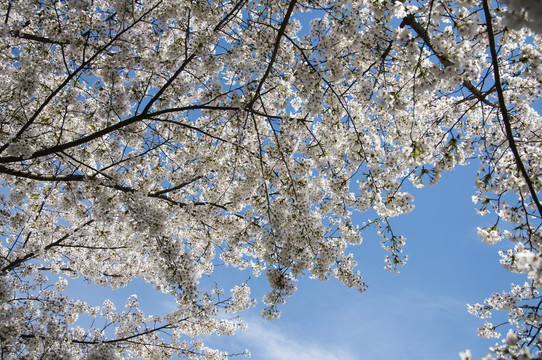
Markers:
(267, 341)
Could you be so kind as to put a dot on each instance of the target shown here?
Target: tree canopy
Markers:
(157, 139)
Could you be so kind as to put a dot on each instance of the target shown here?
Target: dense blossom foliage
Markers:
(155, 139)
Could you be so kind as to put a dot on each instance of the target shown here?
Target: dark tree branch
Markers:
(478, 94)
(411, 21)
(230, 15)
(13, 264)
(96, 135)
(181, 68)
(121, 124)
(274, 54)
(180, 186)
(168, 83)
(40, 177)
(504, 109)
(41, 39)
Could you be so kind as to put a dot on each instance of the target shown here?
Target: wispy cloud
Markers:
(267, 341)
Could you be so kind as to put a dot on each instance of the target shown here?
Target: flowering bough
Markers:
(153, 139)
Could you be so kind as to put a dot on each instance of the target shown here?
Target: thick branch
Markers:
(40, 177)
(230, 15)
(275, 52)
(168, 83)
(504, 109)
(478, 94)
(411, 21)
(180, 186)
(113, 341)
(86, 139)
(41, 39)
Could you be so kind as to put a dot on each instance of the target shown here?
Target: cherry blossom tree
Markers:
(156, 139)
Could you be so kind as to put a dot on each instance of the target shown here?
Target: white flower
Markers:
(465, 355)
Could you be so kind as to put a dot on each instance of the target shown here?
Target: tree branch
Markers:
(275, 52)
(40, 177)
(41, 39)
(504, 109)
(13, 264)
(411, 21)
